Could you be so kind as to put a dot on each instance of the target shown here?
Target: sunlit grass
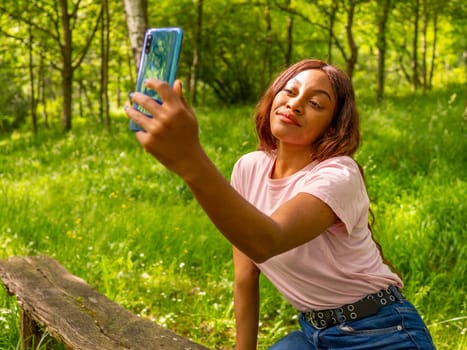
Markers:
(115, 217)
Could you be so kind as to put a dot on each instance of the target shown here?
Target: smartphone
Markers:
(159, 60)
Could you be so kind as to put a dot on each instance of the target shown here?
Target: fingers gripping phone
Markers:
(159, 60)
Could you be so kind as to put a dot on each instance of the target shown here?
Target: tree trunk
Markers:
(415, 76)
(288, 52)
(105, 46)
(266, 66)
(424, 45)
(67, 68)
(351, 61)
(81, 102)
(332, 20)
(196, 52)
(433, 49)
(381, 44)
(41, 91)
(136, 15)
(31, 83)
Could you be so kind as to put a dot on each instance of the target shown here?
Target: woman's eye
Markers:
(315, 104)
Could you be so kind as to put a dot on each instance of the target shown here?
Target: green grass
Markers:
(115, 217)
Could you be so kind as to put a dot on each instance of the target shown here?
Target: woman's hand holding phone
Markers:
(172, 134)
(164, 124)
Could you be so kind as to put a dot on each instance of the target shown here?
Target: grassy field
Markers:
(113, 216)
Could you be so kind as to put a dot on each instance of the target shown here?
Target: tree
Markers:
(332, 14)
(232, 36)
(54, 65)
(136, 15)
(430, 11)
(266, 70)
(415, 61)
(105, 47)
(350, 59)
(59, 26)
(415, 73)
(383, 8)
(331, 10)
(196, 51)
(33, 98)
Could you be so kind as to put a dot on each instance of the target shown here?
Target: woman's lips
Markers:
(288, 118)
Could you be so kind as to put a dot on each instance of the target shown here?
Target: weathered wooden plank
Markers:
(76, 314)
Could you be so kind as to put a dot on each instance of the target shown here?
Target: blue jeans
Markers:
(396, 326)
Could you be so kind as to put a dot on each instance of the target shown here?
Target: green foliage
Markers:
(9, 330)
(13, 100)
(15, 110)
(243, 45)
(115, 217)
(417, 184)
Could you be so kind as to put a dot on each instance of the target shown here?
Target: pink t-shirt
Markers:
(342, 264)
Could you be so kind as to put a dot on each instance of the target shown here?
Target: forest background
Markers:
(65, 59)
(66, 68)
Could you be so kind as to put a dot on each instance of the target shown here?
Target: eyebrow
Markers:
(316, 91)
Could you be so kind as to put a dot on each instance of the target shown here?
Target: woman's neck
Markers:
(290, 160)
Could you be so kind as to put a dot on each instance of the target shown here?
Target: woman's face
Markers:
(303, 110)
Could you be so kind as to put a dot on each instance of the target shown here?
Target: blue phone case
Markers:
(159, 60)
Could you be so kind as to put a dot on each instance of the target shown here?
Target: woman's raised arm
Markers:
(172, 137)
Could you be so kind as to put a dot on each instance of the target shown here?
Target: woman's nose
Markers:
(295, 104)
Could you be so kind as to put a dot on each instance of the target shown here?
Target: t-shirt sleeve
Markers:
(339, 183)
(236, 176)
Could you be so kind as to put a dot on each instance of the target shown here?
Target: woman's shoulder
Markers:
(250, 166)
(253, 163)
(343, 169)
(338, 162)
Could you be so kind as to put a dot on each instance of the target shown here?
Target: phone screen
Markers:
(159, 60)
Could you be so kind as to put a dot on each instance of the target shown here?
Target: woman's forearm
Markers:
(246, 301)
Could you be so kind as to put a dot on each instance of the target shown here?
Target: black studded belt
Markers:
(365, 307)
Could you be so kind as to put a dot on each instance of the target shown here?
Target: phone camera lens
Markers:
(148, 44)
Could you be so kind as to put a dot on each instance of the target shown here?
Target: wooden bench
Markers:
(75, 314)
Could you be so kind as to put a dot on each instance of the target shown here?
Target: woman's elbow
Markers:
(265, 252)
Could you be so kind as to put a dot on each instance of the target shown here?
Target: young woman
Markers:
(296, 210)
